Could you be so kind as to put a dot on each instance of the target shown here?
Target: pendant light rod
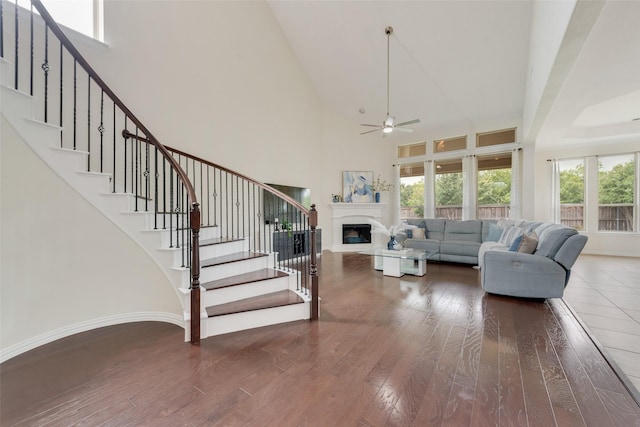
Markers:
(388, 31)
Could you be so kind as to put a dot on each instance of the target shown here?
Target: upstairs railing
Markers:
(183, 192)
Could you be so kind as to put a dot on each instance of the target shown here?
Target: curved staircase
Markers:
(242, 282)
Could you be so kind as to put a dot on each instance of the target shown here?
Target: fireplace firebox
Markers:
(356, 234)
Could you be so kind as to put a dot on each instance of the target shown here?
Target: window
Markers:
(412, 190)
(448, 189)
(616, 193)
(412, 150)
(487, 139)
(450, 144)
(572, 193)
(494, 186)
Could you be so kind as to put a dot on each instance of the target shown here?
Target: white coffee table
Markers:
(397, 263)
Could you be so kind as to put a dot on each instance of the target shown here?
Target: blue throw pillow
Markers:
(409, 233)
(516, 243)
(494, 233)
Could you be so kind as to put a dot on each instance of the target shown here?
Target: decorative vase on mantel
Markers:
(377, 197)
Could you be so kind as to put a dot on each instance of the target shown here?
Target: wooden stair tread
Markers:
(240, 279)
(274, 299)
(238, 256)
(218, 240)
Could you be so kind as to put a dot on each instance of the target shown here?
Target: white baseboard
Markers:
(37, 341)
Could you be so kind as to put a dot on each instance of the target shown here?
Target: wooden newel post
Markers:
(315, 300)
(195, 274)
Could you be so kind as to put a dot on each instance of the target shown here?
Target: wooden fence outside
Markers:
(610, 217)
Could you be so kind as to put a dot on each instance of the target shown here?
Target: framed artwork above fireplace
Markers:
(356, 187)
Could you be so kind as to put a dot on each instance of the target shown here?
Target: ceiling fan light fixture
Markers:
(389, 123)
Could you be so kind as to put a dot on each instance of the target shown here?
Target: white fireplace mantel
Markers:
(353, 213)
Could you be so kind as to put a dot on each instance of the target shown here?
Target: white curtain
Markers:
(469, 187)
(396, 195)
(516, 185)
(429, 189)
(555, 191)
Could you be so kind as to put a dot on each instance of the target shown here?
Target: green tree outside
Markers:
(494, 187)
(616, 185)
(572, 185)
(449, 189)
(412, 196)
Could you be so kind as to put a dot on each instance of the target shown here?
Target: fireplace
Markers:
(353, 234)
(349, 221)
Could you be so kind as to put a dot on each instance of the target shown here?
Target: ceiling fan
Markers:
(389, 124)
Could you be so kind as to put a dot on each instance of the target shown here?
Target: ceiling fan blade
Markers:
(406, 130)
(410, 122)
(375, 126)
(369, 131)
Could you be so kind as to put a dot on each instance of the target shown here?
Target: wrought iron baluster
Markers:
(75, 102)
(88, 123)
(17, 48)
(114, 147)
(1, 30)
(46, 68)
(208, 200)
(61, 91)
(124, 166)
(170, 213)
(227, 203)
(164, 194)
(134, 169)
(201, 187)
(101, 129)
(177, 212)
(147, 182)
(155, 196)
(215, 200)
(31, 42)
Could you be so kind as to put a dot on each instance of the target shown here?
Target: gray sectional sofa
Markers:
(516, 258)
(453, 241)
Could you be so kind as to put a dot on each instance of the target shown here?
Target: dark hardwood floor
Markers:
(423, 351)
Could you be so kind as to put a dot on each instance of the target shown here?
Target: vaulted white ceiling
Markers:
(461, 64)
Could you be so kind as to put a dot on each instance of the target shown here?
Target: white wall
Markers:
(216, 79)
(65, 267)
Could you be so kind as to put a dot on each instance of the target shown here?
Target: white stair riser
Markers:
(6, 73)
(222, 271)
(94, 182)
(71, 159)
(21, 104)
(220, 249)
(247, 290)
(255, 319)
(121, 202)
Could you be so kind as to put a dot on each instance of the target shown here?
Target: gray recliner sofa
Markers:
(449, 240)
(542, 274)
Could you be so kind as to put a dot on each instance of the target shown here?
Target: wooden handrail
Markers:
(107, 90)
(195, 207)
(288, 199)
